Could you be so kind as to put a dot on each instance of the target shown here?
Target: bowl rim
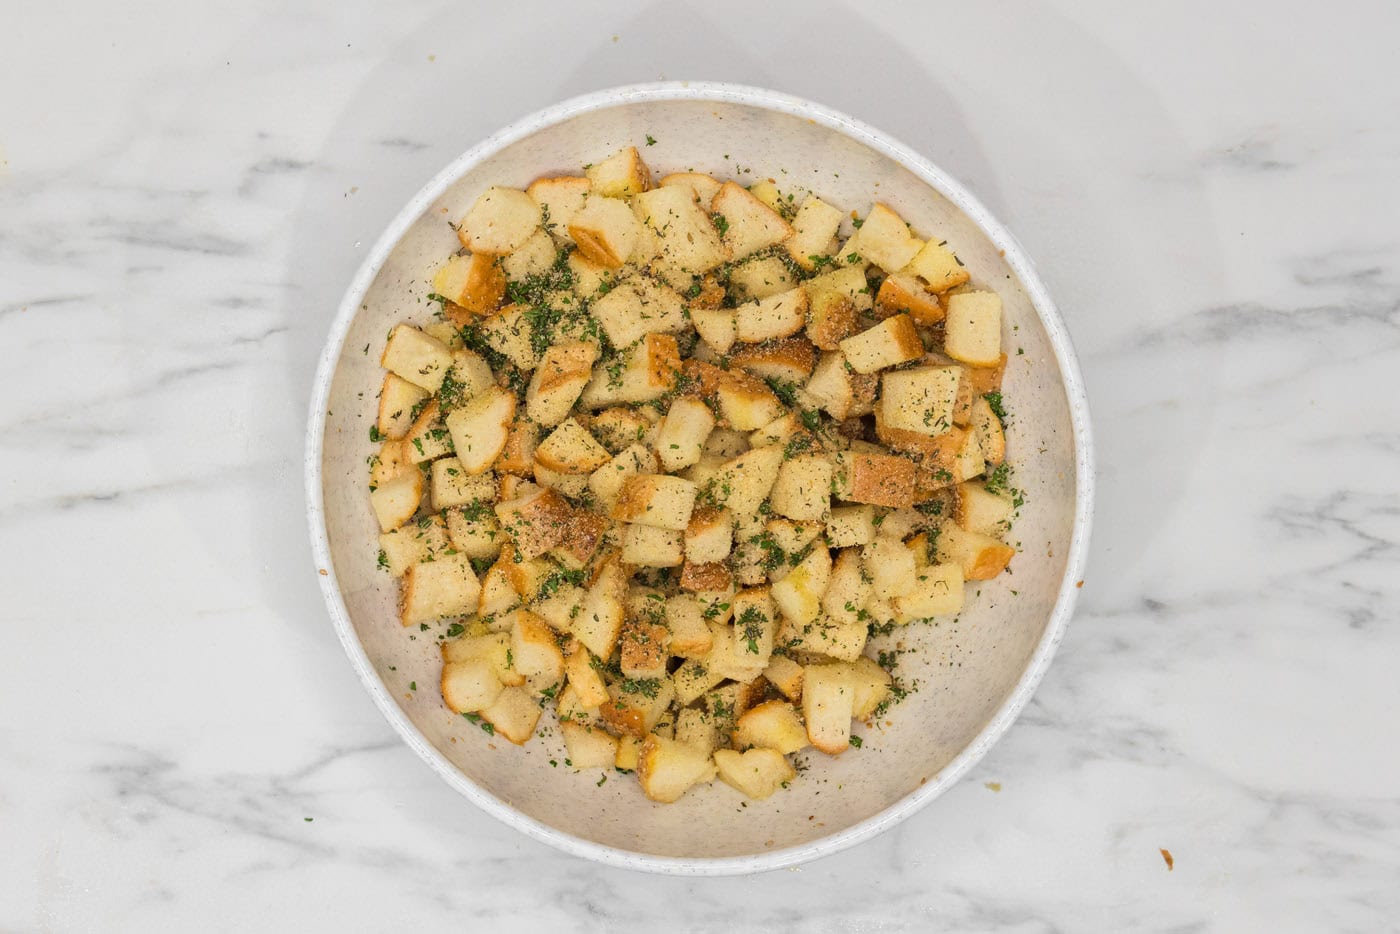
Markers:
(930, 174)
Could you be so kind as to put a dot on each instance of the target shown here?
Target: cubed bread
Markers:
(510, 331)
(878, 479)
(605, 230)
(513, 715)
(919, 399)
(500, 221)
(746, 403)
(445, 586)
(742, 484)
(756, 773)
(759, 277)
(901, 294)
(937, 591)
(637, 307)
(536, 522)
(606, 482)
(828, 704)
(814, 231)
(848, 588)
(451, 485)
(395, 501)
(668, 769)
(980, 556)
(972, 331)
(787, 360)
(991, 437)
(557, 382)
(709, 536)
(648, 546)
(803, 488)
(658, 500)
(588, 747)
(413, 543)
(747, 224)
(703, 188)
(690, 635)
(682, 434)
(683, 236)
(978, 509)
(570, 449)
(780, 315)
(398, 401)
(474, 282)
(559, 198)
(479, 429)
(884, 239)
(891, 567)
(416, 357)
(850, 525)
(620, 175)
(470, 685)
(838, 389)
(891, 342)
(799, 593)
(937, 266)
(785, 674)
(717, 327)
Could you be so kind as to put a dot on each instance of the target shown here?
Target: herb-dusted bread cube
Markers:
(668, 769)
(871, 684)
(814, 231)
(890, 565)
(717, 327)
(657, 500)
(498, 595)
(788, 360)
(534, 257)
(772, 725)
(799, 593)
(388, 463)
(650, 547)
(513, 715)
(709, 535)
(755, 622)
(636, 707)
(517, 458)
(835, 300)
(395, 501)
(703, 188)
(398, 401)
(600, 620)
(500, 221)
(480, 427)
(749, 225)
(583, 675)
(694, 727)
(646, 372)
(588, 748)
(557, 382)
(756, 773)
(901, 294)
(972, 332)
(705, 578)
(891, 342)
(828, 704)
(427, 437)
(469, 376)
(606, 482)
(474, 282)
(536, 654)
(536, 522)
(559, 198)
(644, 645)
(803, 488)
(981, 557)
(570, 449)
(469, 686)
(759, 277)
(620, 427)
(682, 234)
(510, 331)
(884, 239)
(770, 318)
(620, 175)
(445, 586)
(637, 307)
(690, 635)
(453, 486)
(414, 356)
(919, 399)
(850, 525)
(785, 674)
(493, 647)
(936, 265)
(746, 403)
(840, 391)
(605, 230)
(410, 544)
(978, 509)
(878, 479)
(792, 537)
(682, 434)
(693, 679)
(848, 588)
(742, 484)
(991, 438)
(937, 591)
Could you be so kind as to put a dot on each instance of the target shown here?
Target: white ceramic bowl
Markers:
(974, 674)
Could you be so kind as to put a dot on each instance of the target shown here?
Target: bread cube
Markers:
(814, 231)
(938, 591)
(727, 443)
(891, 342)
(469, 376)
(397, 402)
(878, 479)
(452, 486)
(500, 221)
(590, 278)
(890, 567)
(414, 356)
(410, 544)
(427, 437)
(690, 635)
(803, 488)
(648, 370)
(693, 679)
(981, 557)
(766, 191)
(637, 307)
(606, 482)
(396, 501)
(702, 187)
(493, 647)
(535, 653)
(513, 715)
(694, 727)
(978, 509)
(717, 327)
(605, 230)
(497, 596)
(446, 586)
(847, 588)
(644, 647)
(517, 458)
(749, 225)
(705, 578)
(785, 675)
(535, 256)
(599, 622)
(559, 198)
(788, 360)
(838, 389)
(583, 676)
(683, 433)
(445, 332)
(884, 239)
(620, 427)
(510, 332)
(588, 748)
(479, 429)
(828, 704)
(756, 773)
(799, 594)
(682, 234)
(780, 315)
(903, 294)
(991, 437)
(469, 686)
(742, 484)
(668, 769)
(919, 399)
(388, 463)
(570, 449)
(475, 282)
(555, 386)
(972, 332)
(746, 403)
(648, 546)
(634, 708)
(755, 618)
(871, 684)
(850, 525)
(936, 265)
(759, 277)
(792, 537)
(834, 301)
(536, 522)
(657, 500)
(620, 175)
(709, 535)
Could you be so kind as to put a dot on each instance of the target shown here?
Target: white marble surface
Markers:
(1210, 191)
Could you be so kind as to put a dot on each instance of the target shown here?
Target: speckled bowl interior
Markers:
(971, 673)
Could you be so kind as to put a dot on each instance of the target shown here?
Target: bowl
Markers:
(974, 674)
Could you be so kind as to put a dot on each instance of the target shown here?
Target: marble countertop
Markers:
(1210, 191)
